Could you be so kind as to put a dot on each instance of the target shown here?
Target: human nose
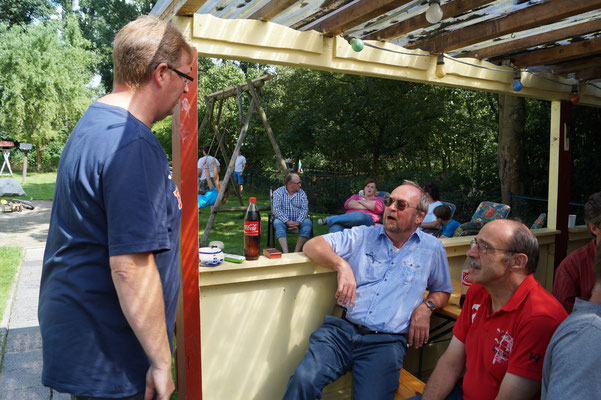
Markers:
(473, 252)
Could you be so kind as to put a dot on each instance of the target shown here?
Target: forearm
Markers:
(140, 293)
(318, 250)
(440, 299)
(355, 205)
(447, 372)
(430, 225)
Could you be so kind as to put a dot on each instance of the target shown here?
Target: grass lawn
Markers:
(10, 258)
(38, 186)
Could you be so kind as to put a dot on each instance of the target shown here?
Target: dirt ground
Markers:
(28, 228)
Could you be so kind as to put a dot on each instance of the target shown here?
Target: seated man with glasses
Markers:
(505, 325)
(290, 208)
(382, 273)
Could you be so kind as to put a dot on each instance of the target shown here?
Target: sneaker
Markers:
(322, 221)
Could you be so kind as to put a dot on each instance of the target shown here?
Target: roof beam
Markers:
(353, 14)
(323, 10)
(449, 10)
(516, 45)
(530, 17)
(167, 9)
(589, 74)
(557, 54)
(573, 66)
(271, 9)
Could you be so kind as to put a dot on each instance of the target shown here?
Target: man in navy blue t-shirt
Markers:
(110, 278)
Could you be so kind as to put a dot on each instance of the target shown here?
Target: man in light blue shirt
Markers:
(383, 272)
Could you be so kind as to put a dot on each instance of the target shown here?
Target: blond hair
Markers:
(141, 45)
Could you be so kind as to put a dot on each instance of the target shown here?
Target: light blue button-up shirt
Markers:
(390, 281)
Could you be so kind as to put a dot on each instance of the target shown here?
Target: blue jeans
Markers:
(304, 230)
(337, 347)
(138, 396)
(338, 223)
(238, 177)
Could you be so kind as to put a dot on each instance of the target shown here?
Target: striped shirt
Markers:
(575, 276)
(290, 208)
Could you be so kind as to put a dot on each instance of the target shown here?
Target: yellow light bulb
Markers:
(440, 71)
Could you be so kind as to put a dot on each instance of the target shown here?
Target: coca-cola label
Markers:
(464, 280)
(251, 228)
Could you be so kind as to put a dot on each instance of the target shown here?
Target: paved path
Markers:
(20, 341)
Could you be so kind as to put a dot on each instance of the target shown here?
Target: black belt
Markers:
(366, 331)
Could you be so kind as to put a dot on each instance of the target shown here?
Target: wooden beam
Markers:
(271, 9)
(353, 14)
(530, 17)
(167, 9)
(559, 53)
(589, 74)
(449, 10)
(190, 7)
(233, 91)
(573, 66)
(323, 10)
(516, 45)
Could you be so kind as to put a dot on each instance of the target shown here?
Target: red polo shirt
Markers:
(575, 276)
(513, 339)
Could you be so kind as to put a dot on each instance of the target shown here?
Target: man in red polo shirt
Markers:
(506, 322)
(575, 276)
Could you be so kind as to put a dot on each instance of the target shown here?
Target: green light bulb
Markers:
(357, 44)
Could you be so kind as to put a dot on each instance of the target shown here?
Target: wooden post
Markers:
(274, 144)
(185, 156)
(24, 168)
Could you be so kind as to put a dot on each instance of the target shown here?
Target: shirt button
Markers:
(386, 279)
(377, 294)
(370, 312)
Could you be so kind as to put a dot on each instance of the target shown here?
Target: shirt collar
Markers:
(520, 294)
(417, 235)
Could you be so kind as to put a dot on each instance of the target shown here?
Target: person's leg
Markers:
(456, 394)
(348, 220)
(300, 242)
(327, 359)
(280, 234)
(377, 363)
(304, 233)
(137, 396)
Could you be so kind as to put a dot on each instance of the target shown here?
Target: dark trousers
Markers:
(137, 396)
(337, 347)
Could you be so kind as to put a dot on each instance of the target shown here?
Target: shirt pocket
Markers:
(374, 270)
(408, 272)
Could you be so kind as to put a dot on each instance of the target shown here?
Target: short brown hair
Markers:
(443, 212)
(141, 45)
(367, 182)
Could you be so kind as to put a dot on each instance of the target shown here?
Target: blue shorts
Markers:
(239, 177)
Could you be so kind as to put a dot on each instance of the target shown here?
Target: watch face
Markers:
(430, 305)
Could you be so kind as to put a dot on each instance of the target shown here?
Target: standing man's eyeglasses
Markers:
(400, 204)
(187, 78)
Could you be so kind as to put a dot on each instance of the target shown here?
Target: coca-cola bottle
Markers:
(252, 231)
(465, 282)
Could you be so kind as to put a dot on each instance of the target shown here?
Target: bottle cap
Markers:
(253, 199)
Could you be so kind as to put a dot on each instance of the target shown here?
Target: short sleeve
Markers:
(530, 345)
(135, 198)
(464, 322)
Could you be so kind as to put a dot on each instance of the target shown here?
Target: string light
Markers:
(517, 83)
(440, 73)
(434, 12)
(357, 44)
(574, 97)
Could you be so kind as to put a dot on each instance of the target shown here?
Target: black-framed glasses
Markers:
(400, 204)
(187, 78)
(483, 248)
(295, 183)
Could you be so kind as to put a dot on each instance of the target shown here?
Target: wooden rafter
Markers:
(271, 9)
(323, 10)
(353, 14)
(527, 18)
(559, 53)
(573, 66)
(589, 74)
(449, 10)
(190, 7)
(514, 46)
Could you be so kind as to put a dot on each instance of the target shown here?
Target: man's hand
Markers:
(419, 330)
(347, 285)
(292, 224)
(159, 381)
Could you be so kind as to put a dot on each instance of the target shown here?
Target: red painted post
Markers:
(565, 169)
(185, 157)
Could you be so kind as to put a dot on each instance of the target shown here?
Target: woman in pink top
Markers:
(360, 210)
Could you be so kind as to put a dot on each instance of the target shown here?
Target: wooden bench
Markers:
(409, 386)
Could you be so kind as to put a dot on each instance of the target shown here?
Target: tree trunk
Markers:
(39, 150)
(511, 130)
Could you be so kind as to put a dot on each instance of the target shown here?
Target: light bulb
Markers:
(434, 12)
(574, 97)
(439, 72)
(517, 83)
(357, 44)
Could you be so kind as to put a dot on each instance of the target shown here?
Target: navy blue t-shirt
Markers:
(114, 195)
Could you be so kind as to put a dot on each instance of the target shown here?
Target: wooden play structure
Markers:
(216, 100)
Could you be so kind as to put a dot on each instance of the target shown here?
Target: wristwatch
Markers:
(430, 305)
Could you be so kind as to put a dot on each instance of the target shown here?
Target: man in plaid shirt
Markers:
(290, 207)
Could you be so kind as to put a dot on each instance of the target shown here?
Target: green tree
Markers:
(15, 12)
(45, 69)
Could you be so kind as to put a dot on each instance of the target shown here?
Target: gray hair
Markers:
(423, 201)
(523, 241)
(592, 210)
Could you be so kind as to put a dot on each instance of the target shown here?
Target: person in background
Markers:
(209, 198)
(110, 277)
(382, 274)
(239, 170)
(360, 210)
(506, 322)
(575, 276)
(570, 370)
(430, 224)
(449, 225)
(290, 208)
(214, 168)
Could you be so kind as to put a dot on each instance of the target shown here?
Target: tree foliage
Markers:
(23, 12)
(44, 72)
